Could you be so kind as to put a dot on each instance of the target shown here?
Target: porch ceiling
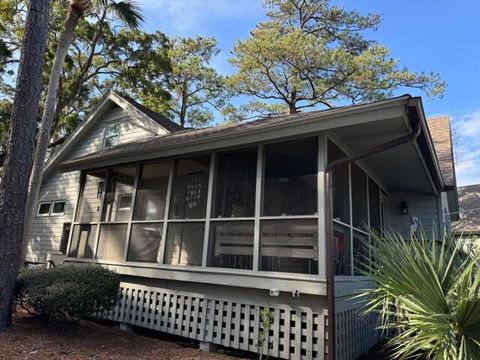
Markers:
(399, 168)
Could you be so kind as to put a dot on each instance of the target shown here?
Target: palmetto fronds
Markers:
(427, 292)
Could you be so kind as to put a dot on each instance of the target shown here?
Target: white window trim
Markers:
(50, 210)
(56, 202)
(107, 125)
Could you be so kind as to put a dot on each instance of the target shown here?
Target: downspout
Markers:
(413, 135)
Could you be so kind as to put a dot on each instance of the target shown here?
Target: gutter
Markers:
(413, 135)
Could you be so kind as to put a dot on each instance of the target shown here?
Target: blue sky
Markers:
(425, 35)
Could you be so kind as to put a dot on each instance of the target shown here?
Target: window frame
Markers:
(106, 136)
(51, 207)
(40, 203)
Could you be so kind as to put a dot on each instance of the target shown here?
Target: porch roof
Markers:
(365, 123)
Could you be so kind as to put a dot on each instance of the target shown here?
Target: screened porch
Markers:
(251, 210)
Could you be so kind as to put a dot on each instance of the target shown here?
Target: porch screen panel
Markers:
(144, 242)
(91, 197)
(118, 198)
(231, 244)
(190, 185)
(290, 180)
(83, 241)
(374, 204)
(341, 188)
(234, 188)
(152, 192)
(361, 255)
(111, 243)
(185, 243)
(289, 246)
(359, 198)
(342, 259)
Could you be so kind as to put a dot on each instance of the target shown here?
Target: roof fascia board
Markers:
(138, 114)
(423, 123)
(85, 125)
(420, 155)
(286, 129)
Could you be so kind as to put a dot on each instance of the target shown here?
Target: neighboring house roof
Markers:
(469, 199)
(440, 131)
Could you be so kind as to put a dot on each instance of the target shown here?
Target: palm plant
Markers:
(125, 11)
(427, 291)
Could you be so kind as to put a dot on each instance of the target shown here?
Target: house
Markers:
(212, 228)
(467, 228)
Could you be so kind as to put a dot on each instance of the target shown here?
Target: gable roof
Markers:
(441, 133)
(160, 119)
(154, 121)
(469, 199)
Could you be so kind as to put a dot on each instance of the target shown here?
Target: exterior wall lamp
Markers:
(404, 208)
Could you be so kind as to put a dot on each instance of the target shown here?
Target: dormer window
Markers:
(111, 135)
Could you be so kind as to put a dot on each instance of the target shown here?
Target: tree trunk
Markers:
(20, 146)
(73, 16)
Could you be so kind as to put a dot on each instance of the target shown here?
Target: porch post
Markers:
(322, 246)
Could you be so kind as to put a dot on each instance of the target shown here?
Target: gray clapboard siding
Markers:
(47, 230)
(423, 206)
(130, 129)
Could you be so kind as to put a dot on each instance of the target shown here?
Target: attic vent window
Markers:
(111, 135)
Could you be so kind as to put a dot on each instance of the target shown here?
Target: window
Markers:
(289, 246)
(51, 208)
(234, 186)
(290, 184)
(44, 209)
(231, 244)
(185, 243)
(58, 207)
(111, 135)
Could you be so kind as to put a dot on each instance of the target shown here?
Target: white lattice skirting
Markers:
(296, 333)
(355, 334)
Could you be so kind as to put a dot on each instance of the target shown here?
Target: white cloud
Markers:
(191, 17)
(466, 126)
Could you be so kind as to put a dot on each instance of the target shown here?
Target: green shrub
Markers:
(68, 291)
